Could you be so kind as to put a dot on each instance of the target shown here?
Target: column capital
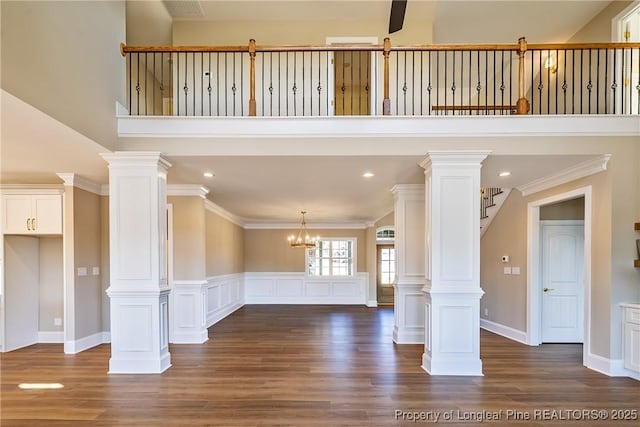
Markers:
(136, 159)
(454, 158)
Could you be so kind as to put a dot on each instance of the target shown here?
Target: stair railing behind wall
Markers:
(362, 80)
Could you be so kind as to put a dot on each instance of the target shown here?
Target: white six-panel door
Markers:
(562, 283)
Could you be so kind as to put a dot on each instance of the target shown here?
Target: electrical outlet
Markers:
(96, 271)
(486, 311)
(57, 321)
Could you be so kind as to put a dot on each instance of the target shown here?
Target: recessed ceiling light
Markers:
(208, 175)
(368, 175)
(505, 173)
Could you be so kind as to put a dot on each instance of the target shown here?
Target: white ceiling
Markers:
(275, 188)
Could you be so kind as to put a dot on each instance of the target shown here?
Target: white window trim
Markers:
(354, 255)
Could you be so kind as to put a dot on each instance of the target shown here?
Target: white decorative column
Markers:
(452, 262)
(408, 298)
(138, 289)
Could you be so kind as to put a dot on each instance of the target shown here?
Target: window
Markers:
(385, 234)
(387, 265)
(332, 257)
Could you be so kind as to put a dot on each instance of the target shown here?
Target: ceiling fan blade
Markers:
(398, 8)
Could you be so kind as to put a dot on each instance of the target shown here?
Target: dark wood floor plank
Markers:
(303, 366)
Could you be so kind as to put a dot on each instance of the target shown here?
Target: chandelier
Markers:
(303, 240)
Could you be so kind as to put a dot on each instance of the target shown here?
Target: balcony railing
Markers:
(498, 79)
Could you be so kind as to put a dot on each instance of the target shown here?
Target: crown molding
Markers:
(187, 190)
(581, 170)
(220, 211)
(74, 180)
(265, 225)
(454, 158)
(31, 188)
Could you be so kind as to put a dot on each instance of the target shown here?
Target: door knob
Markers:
(547, 289)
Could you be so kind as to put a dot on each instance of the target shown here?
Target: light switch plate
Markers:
(515, 270)
(507, 270)
(96, 271)
(82, 271)
(57, 321)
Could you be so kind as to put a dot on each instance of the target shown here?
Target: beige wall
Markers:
(87, 253)
(224, 246)
(615, 204)
(105, 272)
(188, 237)
(568, 209)
(63, 58)
(51, 283)
(599, 28)
(269, 251)
(386, 220)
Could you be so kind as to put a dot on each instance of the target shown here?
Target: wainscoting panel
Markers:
(297, 288)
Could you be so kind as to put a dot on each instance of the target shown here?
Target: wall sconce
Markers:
(550, 64)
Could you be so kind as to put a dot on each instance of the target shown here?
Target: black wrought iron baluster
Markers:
(486, 82)
(494, 85)
(397, 55)
(549, 84)
(218, 84)
(153, 102)
(302, 83)
(453, 84)
(294, 89)
(413, 81)
(437, 80)
(404, 86)
(581, 79)
(162, 83)
(201, 83)
(589, 84)
(279, 84)
(573, 81)
(209, 88)
(533, 93)
(226, 86)
(479, 85)
(342, 86)
(540, 84)
(319, 87)
(138, 85)
(241, 84)
(598, 81)
(557, 62)
(233, 86)
(351, 79)
(429, 86)
(177, 92)
(510, 77)
(614, 84)
(130, 59)
(606, 79)
(146, 92)
(461, 82)
(311, 83)
(502, 87)
(270, 84)
(638, 85)
(263, 58)
(367, 88)
(470, 67)
(286, 79)
(445, 84)
(622, 80)
(564, 82)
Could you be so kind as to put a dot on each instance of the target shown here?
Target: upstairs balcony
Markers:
(367, 79)
(371, 79)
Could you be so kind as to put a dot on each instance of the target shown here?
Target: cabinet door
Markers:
(47, 212)
(16, 211)
(632, 346)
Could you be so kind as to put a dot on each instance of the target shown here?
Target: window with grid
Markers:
(332, 257)
(387, 266)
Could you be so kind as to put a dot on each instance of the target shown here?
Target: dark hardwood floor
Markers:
(312, 366)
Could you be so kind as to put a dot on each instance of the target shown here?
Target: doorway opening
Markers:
(539, 301)
(386, 257)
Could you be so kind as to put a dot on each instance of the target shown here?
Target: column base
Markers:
(408, 307)
(470, 367)
(140, 366)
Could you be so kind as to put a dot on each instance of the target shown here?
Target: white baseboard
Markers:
(372, 303)
(610, 367)
(82, 344)
(505, 331)
(50, 337)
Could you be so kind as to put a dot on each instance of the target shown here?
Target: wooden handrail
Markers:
(124, 49)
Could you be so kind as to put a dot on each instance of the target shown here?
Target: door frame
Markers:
(534, 279)
(561, 222)
(373, 84)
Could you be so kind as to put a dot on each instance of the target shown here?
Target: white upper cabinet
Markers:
(32, 214)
